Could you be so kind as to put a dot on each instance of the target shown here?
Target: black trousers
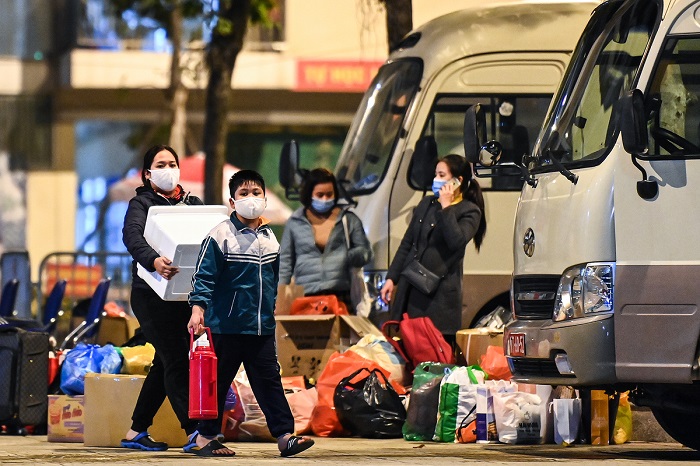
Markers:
(259, 357)
(164, 324)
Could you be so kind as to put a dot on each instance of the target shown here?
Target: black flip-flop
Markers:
(209, 448)
(295, 445)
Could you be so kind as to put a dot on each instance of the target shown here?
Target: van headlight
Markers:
(584, 290)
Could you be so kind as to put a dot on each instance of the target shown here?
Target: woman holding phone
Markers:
(434, 246)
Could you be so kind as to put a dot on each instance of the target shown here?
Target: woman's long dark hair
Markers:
(470, 189)
(150, 155)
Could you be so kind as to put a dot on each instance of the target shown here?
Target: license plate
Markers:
(516, 345)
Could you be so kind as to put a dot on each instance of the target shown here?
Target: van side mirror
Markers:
(421, 170)
(635, 138)
(633, 124)
(477, 149)
(474, 132)
(289, 174)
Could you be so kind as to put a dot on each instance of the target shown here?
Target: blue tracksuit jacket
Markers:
(236, 277)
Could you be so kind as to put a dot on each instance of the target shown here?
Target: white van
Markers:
(511, 58)
(607, 263)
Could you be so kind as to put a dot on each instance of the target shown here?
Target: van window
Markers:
(376, 126)
(513, 120)
(673, 99)
(580, 128)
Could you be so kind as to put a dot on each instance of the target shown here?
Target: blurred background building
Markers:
(81, 90)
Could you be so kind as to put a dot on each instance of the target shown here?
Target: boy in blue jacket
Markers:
(234, 291)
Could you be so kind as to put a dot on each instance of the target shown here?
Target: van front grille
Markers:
(533, 296)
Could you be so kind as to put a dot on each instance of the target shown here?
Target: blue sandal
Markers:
(191, 443)
(143, 441)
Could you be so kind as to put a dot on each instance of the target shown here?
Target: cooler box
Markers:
(177, 232)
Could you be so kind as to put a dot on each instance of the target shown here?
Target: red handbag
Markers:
(420, 341)
(318, 305)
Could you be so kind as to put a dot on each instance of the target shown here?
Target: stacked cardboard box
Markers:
(304, 343)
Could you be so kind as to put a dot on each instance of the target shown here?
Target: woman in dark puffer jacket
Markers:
(163, 323)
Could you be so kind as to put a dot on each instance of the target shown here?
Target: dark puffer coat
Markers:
(135, 223)
(438, 238)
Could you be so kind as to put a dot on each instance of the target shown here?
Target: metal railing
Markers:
(83, 272)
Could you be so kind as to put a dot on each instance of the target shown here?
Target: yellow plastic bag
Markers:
(623, 422)
(137, 359)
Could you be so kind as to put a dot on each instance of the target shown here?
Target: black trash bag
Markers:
(369, 406)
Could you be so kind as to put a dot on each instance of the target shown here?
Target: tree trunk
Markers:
(399, 21)
(177, 92)
(224, 47)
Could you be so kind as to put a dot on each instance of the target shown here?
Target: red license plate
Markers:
(516, 345)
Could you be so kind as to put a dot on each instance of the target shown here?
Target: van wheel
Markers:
(682, 426)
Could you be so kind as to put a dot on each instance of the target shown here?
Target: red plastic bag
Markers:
(324, 420)
(495, 364)
(318, 305)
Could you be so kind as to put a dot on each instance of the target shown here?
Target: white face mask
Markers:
(250, 207)
(165, 178)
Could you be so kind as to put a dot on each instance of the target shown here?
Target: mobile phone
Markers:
(455, 182)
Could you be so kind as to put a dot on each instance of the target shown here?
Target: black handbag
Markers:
(368, 406)
(421, 278)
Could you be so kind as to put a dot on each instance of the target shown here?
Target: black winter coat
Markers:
(135, 223)
(438, 238)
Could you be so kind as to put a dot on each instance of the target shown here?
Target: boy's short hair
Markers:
(242, 177)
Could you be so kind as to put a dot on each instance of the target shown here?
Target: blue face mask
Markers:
(437, 184)
(322, 206)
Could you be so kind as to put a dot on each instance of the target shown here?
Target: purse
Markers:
(421, 278)
(359, 295)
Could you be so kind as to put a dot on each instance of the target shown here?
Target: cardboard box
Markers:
(116, 330)
(66, 418)
(474, 341)
(177, 232)
(109, 404)
(304, 343)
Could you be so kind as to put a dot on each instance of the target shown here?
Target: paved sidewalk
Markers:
(35, 450)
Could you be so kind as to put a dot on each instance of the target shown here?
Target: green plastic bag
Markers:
(421, 415)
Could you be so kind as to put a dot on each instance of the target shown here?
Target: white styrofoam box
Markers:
(177, 232)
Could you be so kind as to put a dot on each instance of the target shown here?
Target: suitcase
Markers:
(24, 365)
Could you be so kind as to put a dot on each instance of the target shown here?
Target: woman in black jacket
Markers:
(163, 323)
(437, 236)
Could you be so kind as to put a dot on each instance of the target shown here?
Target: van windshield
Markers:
(376, 127)
(579, 129)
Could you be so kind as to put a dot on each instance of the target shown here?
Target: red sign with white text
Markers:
(335, 75)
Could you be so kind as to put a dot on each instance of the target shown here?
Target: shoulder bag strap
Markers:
(345, 229)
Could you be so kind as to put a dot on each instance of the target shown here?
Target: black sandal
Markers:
(209, 449)
(295, 445)
(143, 441)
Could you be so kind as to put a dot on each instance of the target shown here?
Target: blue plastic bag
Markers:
(86, 358)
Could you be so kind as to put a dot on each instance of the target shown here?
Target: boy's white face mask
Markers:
(165, 178)
(250, 207)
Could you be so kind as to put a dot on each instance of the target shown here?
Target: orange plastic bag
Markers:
(495, 364)
(324, 420)
(318, 305)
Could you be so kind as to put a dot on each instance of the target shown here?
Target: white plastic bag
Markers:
(567, 417)
(457, 398)
(485, 419)
(518, 417)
